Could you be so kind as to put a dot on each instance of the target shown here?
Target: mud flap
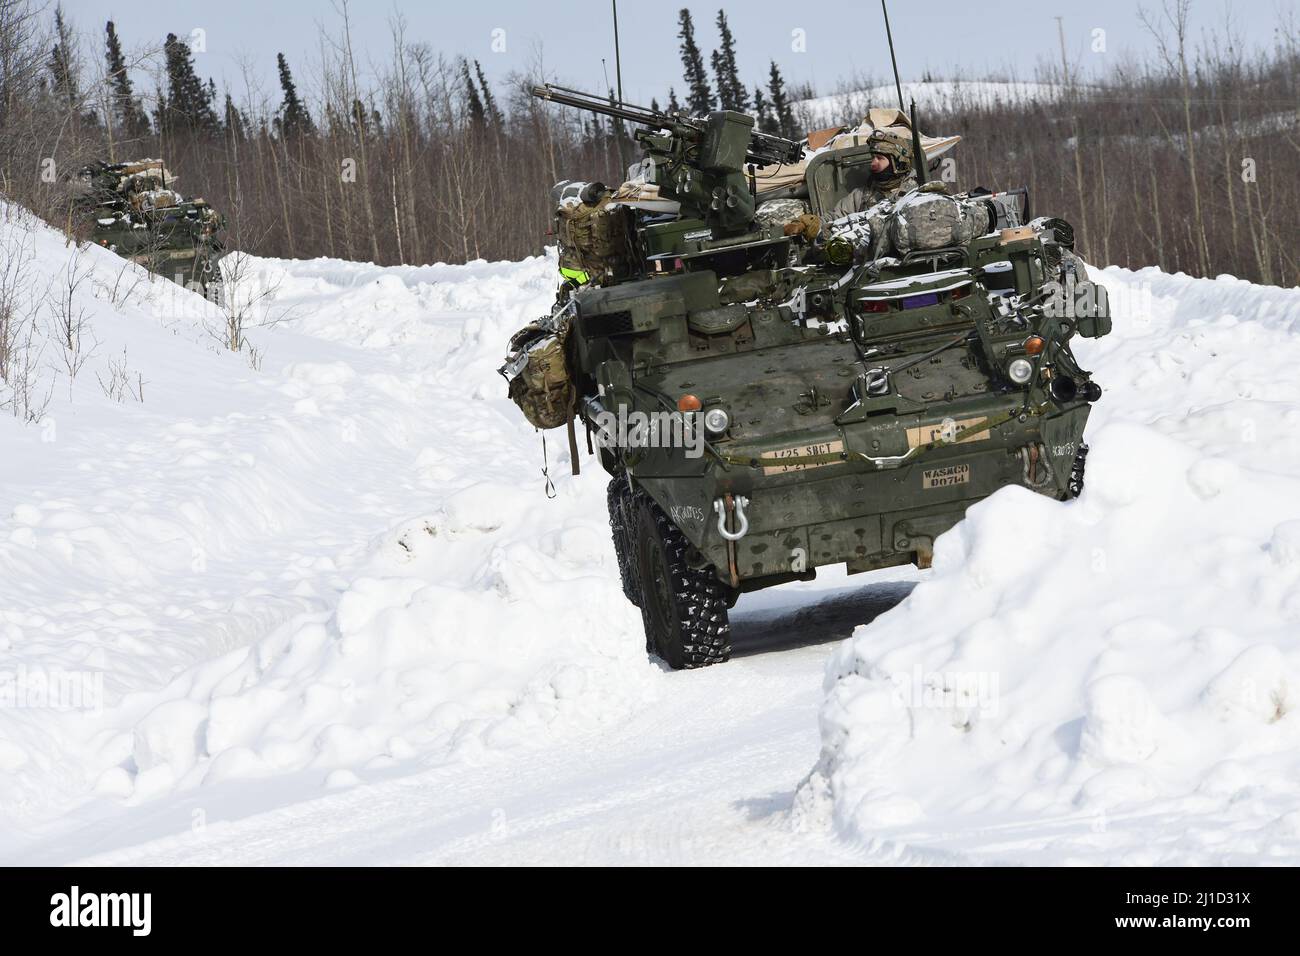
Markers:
(1062, 437)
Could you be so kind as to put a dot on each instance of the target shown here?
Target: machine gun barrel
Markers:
(596, 104)
(764, 148)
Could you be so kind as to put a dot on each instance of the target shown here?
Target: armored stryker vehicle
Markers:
(833, 395)
(133, 209)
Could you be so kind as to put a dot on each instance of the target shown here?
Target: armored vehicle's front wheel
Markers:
(622, 525)
(684, 609)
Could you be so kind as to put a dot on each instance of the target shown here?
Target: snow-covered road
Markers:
(702, 775)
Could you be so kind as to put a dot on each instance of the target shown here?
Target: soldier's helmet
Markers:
(897, 145)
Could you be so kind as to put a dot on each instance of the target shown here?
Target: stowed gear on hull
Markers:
(851, 389)
(133, 209)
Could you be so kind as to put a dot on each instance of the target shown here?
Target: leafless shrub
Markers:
(21, 348)
(69, 324)
(246, 301)
(122, 383)
(125, 284)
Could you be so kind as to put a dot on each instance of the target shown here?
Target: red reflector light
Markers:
(875, 306)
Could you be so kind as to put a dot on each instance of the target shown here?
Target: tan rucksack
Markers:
(543, 389)
(595, 239)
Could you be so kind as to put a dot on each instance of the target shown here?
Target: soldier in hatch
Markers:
(892, 173)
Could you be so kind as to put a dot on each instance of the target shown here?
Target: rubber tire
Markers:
(684, 609)
(1074, 487)
(622, 524)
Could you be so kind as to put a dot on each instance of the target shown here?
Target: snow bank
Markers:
(1115, 679)
(335, 558)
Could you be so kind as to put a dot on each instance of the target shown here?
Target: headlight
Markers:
(716, 421)
(1020, 370)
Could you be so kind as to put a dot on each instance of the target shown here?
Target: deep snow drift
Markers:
(1113, 679)
(340, 561)
(329, 581)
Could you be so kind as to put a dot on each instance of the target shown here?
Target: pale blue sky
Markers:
(969, 39)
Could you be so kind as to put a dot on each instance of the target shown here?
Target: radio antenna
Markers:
(890, 36)
(618, 78)
(618, 59)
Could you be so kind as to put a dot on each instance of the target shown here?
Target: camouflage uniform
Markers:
(779, 212)
(898, 179)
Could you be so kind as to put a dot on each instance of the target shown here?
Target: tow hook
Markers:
(1033, 457)
(721, 508)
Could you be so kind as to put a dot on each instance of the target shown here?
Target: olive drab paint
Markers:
(133, 209)
(868, 383)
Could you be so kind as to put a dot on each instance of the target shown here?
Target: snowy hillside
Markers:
(930, 96)
(341, 560)
(322, 610)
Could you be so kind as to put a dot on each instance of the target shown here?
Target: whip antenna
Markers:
(890, 36)
(916, 148)
(618, 58)
(618, 78)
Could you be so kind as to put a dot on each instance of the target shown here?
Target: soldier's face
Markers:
(879, 163)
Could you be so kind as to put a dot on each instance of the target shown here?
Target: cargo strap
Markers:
(575, 463)
(894, 461)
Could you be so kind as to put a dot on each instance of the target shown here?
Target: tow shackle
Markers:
(720, 508)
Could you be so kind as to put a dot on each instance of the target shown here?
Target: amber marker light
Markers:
(689, 403)
(1034, 345)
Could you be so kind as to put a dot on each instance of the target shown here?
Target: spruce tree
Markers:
(731, 92)
(189, 103)
(699, 98)
(766, 122)
(128, 113)
(360, 128)
(62, 64)
(781, 107)
(294, 119)
(473, 102)
(673, 105)
(236, 126)
(489, 101)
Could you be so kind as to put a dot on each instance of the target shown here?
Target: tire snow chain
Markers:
(894, 461)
